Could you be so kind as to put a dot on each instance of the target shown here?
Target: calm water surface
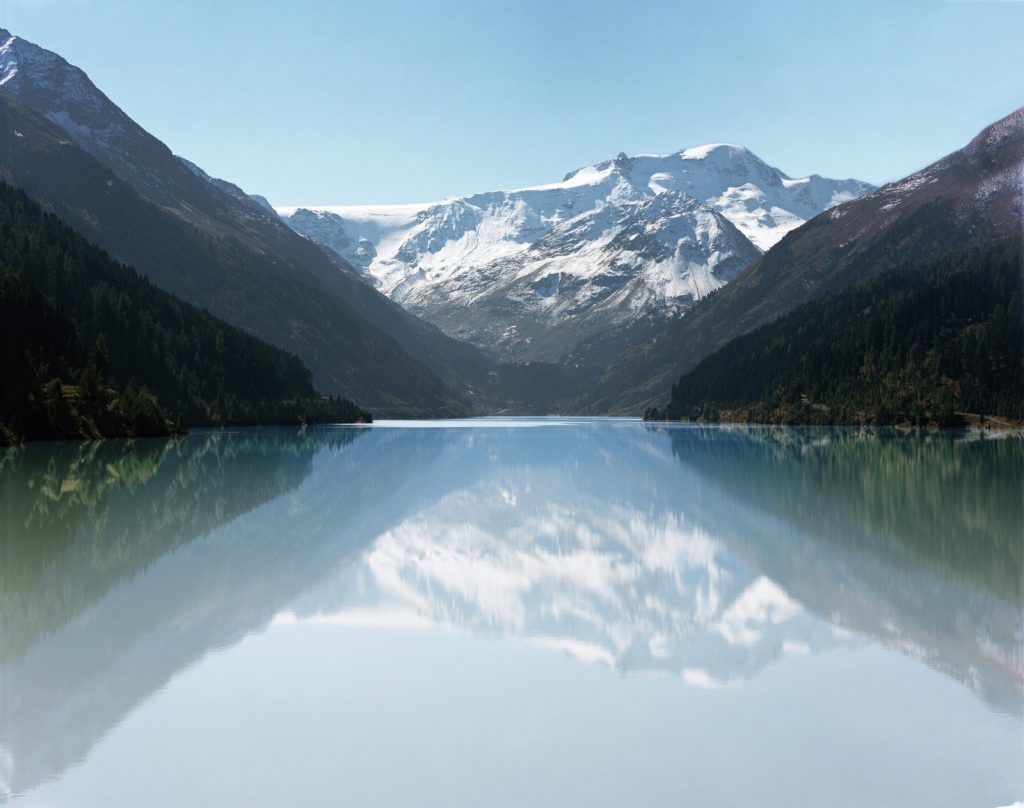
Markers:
(511, 613)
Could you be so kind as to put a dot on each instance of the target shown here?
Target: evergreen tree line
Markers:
(54, 389)
(925, 344)
(91, 348)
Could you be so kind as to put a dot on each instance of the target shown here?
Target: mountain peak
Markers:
(625, 243)
(51, 85)
(19, 57)
(996, 134)
(66, 96)
(728, 151)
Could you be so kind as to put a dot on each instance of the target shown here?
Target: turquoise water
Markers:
(513, 612)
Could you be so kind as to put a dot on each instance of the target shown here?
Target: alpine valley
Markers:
(590, 295)
(687, 476)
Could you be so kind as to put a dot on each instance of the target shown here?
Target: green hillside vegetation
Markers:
(925, 344)
(91, 349)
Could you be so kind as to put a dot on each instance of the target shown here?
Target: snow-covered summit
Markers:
(630, 237)
(731, 150)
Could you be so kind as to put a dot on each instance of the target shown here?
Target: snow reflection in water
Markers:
(710, 555)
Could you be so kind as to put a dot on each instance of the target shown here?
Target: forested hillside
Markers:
(88, 343)
(925, 344)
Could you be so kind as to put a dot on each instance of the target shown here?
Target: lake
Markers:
(513, 612)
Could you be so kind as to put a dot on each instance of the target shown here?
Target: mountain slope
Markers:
(64, 295)
(967, 198)
(204, 240)
(922, 345)
(606, 255)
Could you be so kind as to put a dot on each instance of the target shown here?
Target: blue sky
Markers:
(412, 100)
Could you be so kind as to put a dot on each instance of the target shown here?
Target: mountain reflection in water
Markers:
(705, 553)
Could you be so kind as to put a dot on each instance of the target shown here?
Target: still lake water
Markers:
(512, 613)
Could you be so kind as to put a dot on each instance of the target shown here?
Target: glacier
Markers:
(608, 253)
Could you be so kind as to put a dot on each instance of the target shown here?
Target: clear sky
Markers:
(412, 100)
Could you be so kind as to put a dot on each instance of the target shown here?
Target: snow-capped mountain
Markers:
(530, 273)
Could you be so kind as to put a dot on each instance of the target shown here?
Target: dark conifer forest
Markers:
(90, 348)
(927, 344)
